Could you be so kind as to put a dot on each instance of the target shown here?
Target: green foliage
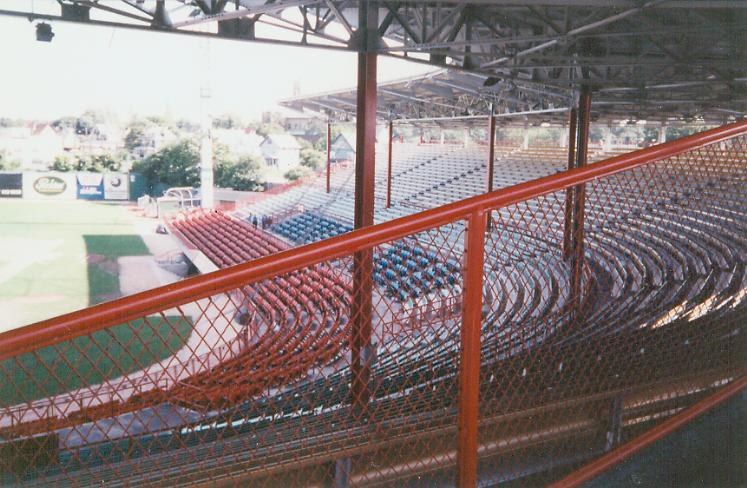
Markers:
(674, 133)
(83, 125)
(311, 158)
(6, 163)
(227, 122)
(135, 137)
(97, 163)
(244, 174)
(297, 172)
(270, 128)
(321, 143)
(187, 125)
(174, 165)
(62, 163)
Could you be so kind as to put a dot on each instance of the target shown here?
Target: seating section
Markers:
(665, 262)
(407, 271)
(302, 317)
(308, 227)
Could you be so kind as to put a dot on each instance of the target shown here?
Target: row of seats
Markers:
(309, 227)
(406, 271)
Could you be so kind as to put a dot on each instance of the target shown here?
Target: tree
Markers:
(311, 158)
(244, 174)
(62, 163)
(177, 164)
(297, 172)
(321, 143)
(227, 122)
(135, 137)
(270, 128)
(97, 163)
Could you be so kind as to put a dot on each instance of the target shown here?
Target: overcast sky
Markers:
(134, 72)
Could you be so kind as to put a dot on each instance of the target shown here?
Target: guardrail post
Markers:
(614, 423)
(579, 201)
(568, 221)
(491, 155)
(469, 359)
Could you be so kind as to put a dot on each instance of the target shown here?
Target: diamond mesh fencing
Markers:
(500, 345)
(655, 323)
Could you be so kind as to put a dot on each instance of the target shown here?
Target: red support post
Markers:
(577, 239)
(568, 221)
(329, 148)
(389, 168)
(365, 161)
(469, 364)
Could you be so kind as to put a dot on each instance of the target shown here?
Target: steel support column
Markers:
(491, 150)
(579, 200)
(329, 149)
(568, 221)
(389, 168)
(361, 313)
(469, 359)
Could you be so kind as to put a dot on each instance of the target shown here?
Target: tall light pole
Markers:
(206, 140)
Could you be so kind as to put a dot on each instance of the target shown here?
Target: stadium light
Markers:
(44, 32)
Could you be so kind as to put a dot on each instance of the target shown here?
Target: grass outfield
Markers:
(108, 354)
(60, 256)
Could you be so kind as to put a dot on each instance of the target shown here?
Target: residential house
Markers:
(281, 151)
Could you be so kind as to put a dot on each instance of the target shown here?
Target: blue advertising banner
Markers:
(11, 185)
(90, 186)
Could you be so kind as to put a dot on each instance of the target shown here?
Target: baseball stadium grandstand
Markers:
(469, 313)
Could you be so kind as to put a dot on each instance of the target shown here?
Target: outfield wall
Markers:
(55, 185)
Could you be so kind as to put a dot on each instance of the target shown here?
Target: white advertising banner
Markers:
(116, 186)
(50, 185)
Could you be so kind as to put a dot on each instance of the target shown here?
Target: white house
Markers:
(34, 146)
(154, 137)
(240, 142)
(342, 147)
(281, 151)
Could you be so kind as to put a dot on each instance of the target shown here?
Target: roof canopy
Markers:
(684, 58)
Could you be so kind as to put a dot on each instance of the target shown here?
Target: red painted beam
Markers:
(365, 178)
(469, 365)
(579, 201)
(568, 221)
(616, 456)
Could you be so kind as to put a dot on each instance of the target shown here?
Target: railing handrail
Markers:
(98, 317)
(613, 458)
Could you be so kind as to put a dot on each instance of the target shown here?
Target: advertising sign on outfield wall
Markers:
(116, 186)
(51, 186)
(90, 186)
(11, 185)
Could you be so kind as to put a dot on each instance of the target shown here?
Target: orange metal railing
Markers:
(253, 372)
